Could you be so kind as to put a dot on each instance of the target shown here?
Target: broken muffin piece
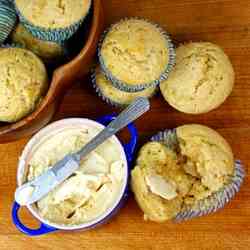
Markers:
(166, 181)
(159, 182)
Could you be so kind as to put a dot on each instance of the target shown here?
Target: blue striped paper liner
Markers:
(8, 19)
(214, 202)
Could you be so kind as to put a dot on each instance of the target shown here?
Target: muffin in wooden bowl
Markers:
(62, 79)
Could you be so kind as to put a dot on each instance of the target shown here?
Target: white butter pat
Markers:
(159, 186)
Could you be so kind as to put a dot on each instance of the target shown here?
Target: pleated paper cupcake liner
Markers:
(99, 92)
(214, 202)
(11, 45)
(107, 99)
(140, 86)
(48, 34)
(8, 19)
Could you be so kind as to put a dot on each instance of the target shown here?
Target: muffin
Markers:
(23, 82)
(49, 52)
(136, 54)
(185, 173)
(114, 96)
(8, 19)
(52, 20)
(202, 79)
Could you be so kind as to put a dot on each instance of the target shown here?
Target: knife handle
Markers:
(130, 114)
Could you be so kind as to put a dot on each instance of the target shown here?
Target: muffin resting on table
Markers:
(115, 96)
(136, 54)
(202, 79)
(52, 20)
(23, 81)
(168, 180)
(49, 52)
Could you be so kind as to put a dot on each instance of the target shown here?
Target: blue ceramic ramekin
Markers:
(47, 227)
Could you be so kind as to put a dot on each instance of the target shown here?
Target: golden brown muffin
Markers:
(53, 14)
(164, 181)
(135, 52)
(47, 51)
(116, 96)
(23, 81)
(202, 79)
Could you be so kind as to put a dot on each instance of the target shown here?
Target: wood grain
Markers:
(226, 22)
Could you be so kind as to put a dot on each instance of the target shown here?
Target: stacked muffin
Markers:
(135, 55)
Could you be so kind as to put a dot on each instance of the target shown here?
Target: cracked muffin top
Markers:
(53, 14)
(202, 79)
(135, 51)
(23, 81)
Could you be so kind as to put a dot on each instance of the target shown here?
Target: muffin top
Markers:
(135, 52)
(100, 175)
(44, 49)
(23, 80)
(53, 14)
(202, 79)
(115, 95)
(208, 158)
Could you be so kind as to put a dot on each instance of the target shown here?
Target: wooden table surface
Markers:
(226, 22)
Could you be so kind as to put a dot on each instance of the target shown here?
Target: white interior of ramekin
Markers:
(59, 125)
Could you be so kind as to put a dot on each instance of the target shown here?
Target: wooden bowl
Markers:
(62, 79)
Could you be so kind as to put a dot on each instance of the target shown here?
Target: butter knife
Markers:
(35, 190)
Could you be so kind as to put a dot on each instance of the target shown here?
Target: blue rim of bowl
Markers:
(58, 35)
(136, 88)
(107, 99)
(218, 199)
(8, 14)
